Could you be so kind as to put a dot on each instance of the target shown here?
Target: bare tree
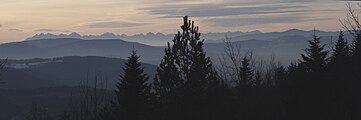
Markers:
(265, 71)
(89, 98)
(352, 22)
(270, 72)
(228, 68)
(230, 62)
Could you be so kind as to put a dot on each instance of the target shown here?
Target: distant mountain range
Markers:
(160, 39)
(49, 48)
(154, 39)
(41, 63)
(285, 46)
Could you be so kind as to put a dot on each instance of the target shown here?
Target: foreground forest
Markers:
(322, 85)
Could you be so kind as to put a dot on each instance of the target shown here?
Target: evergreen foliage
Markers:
(341, 52)
(315, 59)
(133, 96)
(246, 72)
(185, 76)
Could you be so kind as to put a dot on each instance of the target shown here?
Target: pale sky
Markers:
(20, 19)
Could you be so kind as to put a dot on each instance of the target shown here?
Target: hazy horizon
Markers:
(22, 19)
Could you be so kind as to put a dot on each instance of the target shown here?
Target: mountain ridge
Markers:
(77, 47)
(160, 39)
(287, 44)
(150, 38)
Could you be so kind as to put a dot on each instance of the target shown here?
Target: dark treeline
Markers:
(322, 85)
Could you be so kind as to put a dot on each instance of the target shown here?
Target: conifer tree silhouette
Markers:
(246, 72)
(341, 53)
(309, 82)
(340, 59)
(339, 81)
(167, 83)
(315, 59)
(356, 75)
(353, 26)
(185, 75)
(133, 95)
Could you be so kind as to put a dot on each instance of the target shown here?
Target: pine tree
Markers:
(353, 26)
(201, 72)
(341, 53)
(310, 89)
(201, 79)
(315, 59)
(340, 61)
(355, 66)
(167, 83)
(246, 72)
(356, 48)
(185, 75)
(339, 81)
(133, 95)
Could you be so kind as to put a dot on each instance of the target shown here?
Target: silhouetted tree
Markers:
(315, 59)
(340, 60)
(167, 83)
(353, 26)
(88, 99)
(185, 76)
(307, 93)
(338, 80)
(229, 65)
(133, 95)
(246, 72)
(201, 77)
(341, 52)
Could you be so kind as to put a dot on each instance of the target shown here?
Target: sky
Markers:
(20, 19)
